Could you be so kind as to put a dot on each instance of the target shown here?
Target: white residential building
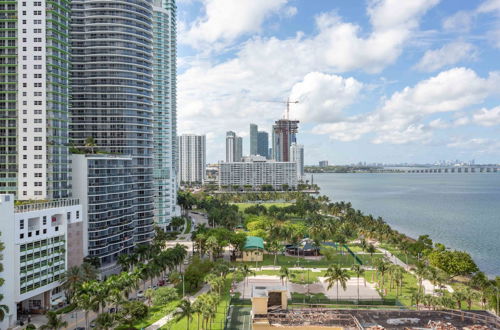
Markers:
(256, 171)
(38, 251)
(192, 158)
(234, 147)
(34, 161)
(297, 156)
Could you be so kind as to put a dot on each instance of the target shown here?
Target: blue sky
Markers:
(377, 80)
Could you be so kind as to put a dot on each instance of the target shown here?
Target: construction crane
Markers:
(287, 102)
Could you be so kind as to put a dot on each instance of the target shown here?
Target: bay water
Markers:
(462, 211)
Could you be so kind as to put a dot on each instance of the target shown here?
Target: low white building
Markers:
(37, 253)
(256, 171)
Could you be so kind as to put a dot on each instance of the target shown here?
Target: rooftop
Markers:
(254, 242)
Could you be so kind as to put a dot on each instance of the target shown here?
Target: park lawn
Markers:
(187, 226)
(243, 206)
(344, 260)
(401, 256)
(154, 314)
(410, 285)
(300, 277)
(217, 323)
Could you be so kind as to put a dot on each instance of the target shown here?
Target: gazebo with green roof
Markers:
(253, 250)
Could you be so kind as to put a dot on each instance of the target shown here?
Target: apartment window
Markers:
(38, 112)
(37, 66)
(37, 58)
(37, 21)
(44, 220)
(37, 139)
(37, 75)
(38, 165)
(21, 236)
(21, 224)
(68, 216)
(44, 231)
(38, 192)
(38, 156)
(38, 184)
(37, 49)
(37, 30)
(38, 84)
(37, 4)
(37, 12)
(38, 130)
(29, 234)
(38, 175)
(78, 214)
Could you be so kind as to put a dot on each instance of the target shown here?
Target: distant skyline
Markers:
(383, 81)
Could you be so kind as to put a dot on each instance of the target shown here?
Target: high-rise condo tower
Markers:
(165, 110)
(112, 108)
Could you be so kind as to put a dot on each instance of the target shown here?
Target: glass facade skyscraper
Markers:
(112, 93)
(164, 110)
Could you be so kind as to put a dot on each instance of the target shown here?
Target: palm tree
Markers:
(212, 245)
(4, 309)
(90, 143)
(458, 296)
(72, 279)
(245, 271)
(421, 272)
(285, 274)
(335, 274)
(371, 250)
(358, 270)
(54, 322)
(89, 272)
(86, 300)
(470, 295)
(416, 298)
(104, 321)
(382, 268)
(186, 310)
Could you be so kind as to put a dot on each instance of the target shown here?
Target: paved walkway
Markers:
(167, 318)
(429, 288)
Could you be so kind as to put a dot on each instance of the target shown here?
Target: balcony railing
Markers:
(46, 205)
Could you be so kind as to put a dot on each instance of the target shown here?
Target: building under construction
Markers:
(284, 134)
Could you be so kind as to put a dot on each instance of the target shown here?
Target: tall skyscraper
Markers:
(284, 134)
(112, 94)
(263, 144)
(165, 111)
(239, 148)
(34, 161)
(253, 139)
(192, 158)
(297, 156)
(234, 145)
(39, 238)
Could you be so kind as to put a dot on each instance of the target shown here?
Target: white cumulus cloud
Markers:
(487, 117)
(226, 20)
(322, 97)
(400, 119)
(449, 54)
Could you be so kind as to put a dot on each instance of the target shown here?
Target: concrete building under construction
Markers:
(284, 134)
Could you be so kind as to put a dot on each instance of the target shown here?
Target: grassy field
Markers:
(155, 313)
(216, 324)
(243, 206)
(187, 226)
(301, 277)
(394, 250)
(345, 260)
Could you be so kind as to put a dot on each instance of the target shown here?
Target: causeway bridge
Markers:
(457, 169)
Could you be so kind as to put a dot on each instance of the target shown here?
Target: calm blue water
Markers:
(461, 211)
